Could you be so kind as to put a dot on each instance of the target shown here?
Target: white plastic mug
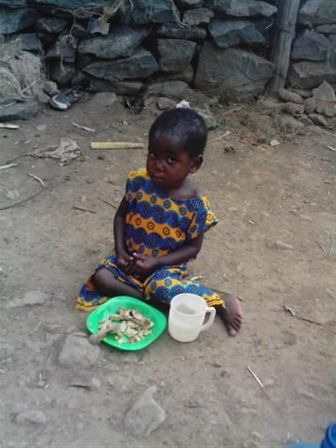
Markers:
(187, 315)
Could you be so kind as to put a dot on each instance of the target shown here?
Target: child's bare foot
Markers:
(231, 314)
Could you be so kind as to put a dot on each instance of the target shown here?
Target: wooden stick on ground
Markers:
(116, 145)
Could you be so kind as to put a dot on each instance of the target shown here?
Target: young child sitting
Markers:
(160, 224)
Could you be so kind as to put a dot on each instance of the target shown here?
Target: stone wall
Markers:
(166, 47)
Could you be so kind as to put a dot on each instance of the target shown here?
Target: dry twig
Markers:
(16, 204)
(256, 378)
(108, 203)
(82, 209)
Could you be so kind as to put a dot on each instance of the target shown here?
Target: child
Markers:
(160, 223)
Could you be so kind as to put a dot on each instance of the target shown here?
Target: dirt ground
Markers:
(274, 246)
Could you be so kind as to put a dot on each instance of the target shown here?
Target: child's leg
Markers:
(166, 283)
(107, 285)
(107, 281)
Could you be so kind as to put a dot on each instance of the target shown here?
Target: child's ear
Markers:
(196, 163)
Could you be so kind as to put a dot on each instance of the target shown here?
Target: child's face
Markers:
(168, 164)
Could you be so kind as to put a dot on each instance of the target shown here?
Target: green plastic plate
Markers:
(112, 307)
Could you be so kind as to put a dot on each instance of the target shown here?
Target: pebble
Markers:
(30, 298)
(41, 127)
(32, 416)
(145, 415)
(105, 99)
(78, 351)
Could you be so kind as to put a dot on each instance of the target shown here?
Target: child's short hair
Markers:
(184, 125)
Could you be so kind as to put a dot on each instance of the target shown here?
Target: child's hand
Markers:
(125, 261)
(144, 265)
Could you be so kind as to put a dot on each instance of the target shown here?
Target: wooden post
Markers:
(286, 22)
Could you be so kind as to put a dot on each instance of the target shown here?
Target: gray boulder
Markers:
(64, 49)
(188, 4)
(13, 3)
(318, 12)
(170, 89)
(19, 111)
(232, 73)
(194, 17)
(141, 64)
(120, 88)
(62, 73)
(307, 75)
(175, 54)
(69, 4)
(246, 8)
(154, 11)
(230, 33)
(326, 29)
(15, 20)
(52, 25)
(178, 32)
(325, 100)
(120, 43)
(29, 42)
(311, 46)
(186, 75)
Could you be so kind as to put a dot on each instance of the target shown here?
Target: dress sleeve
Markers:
(203, 218)
(135, 180)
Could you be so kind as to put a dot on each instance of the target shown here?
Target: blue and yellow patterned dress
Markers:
(156, 224)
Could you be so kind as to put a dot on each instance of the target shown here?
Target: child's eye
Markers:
(171, 160)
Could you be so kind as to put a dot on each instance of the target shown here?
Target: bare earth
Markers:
(273, 247)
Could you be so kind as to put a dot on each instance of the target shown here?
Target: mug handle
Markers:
(212, 311)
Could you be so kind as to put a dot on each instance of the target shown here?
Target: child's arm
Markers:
(145, 265)
(124, 259)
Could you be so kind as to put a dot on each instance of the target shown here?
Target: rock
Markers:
(175, 54)
(244, 8)
(120, 88)
(69, 4)
(279, 245)
(62, 73)
(174, 89)
(319, 120)
(194, 17)
(326, 29)
(105, 99)
(122, 42)
(164, 103)
(309, 105)
(307, 75)
(303, 93)
(230, 33)
(293, 108)
(50, 25)
(20, 111)
(145, 416)
(41, 127)
(140, 64)
(155, 11)
(29, 42)
(325, 100)
(101, 25)
(311, 46)
(178, 32)
(41, 97)
(79, 30)
(187, 4)
(208, 116)
(31, 416)
(332, 38)
(13, 21)
(317, 12)
(187, 75)
(232, 73)
(287, 124)
(287, 95)
(30, 298)
(47, 39)
(50, 88)
(64, 49)
(78, 352)
(13, 3)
